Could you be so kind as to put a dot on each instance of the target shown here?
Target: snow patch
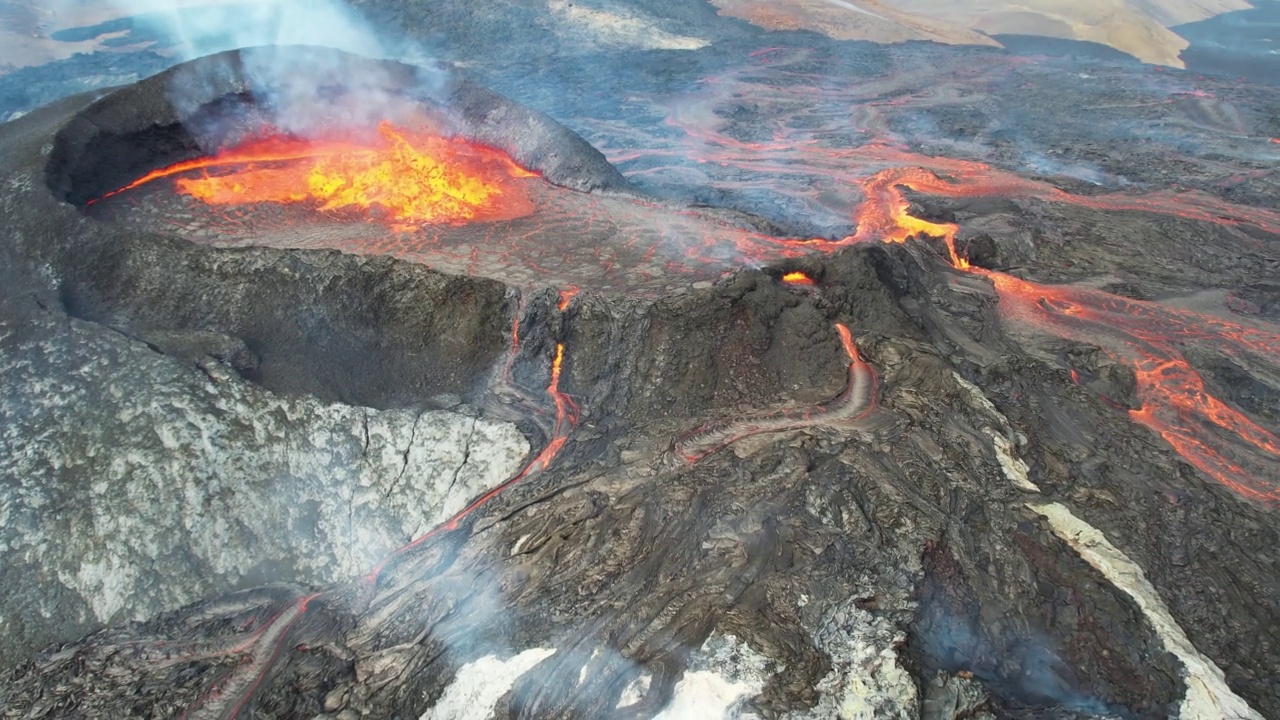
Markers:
(629, 30)
(1208, 697)
(722, 675)
(479, 685)
(980, 401)
(855, 8)
(635, 691)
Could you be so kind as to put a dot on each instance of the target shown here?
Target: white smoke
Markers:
(214, 26)
(195, 28)
(296, 87)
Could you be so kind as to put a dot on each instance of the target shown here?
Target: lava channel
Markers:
(852, 409)
(1215, 438)
(1220, 441)
(566, 416)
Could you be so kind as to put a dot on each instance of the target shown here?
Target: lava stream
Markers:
(566, 419)
(883, 214)
(260, 653)
(1175, 402)
(851, 409)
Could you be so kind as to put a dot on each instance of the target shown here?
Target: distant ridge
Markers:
(1136, 27)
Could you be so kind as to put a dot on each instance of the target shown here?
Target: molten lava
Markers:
(565, 420)
(566, 296)
(797, 278)
(414, 178)
(1212, 436)
(1215, 438)
(884, 213)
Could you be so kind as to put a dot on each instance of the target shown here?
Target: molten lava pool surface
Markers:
(410, 178)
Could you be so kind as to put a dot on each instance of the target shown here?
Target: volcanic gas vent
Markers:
(321, 128)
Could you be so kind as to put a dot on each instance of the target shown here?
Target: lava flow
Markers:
(884, 214)
(853, 409)
(804, 164)
(415, 178)
(1175, 402)
(565, 420)
(1215, 438)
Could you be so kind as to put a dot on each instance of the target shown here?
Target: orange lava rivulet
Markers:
(1212, 436)
(415, 178)
(565, 420)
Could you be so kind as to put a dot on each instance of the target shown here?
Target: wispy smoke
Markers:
(300, 90)
(206, 28)
(195, 28)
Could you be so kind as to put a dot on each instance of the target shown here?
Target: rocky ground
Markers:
(1011, 493)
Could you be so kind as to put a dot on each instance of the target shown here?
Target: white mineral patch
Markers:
(1013, 467)
(866, 681)
(1208, 697)
(141, 485)
(722, 675)
(479, 685)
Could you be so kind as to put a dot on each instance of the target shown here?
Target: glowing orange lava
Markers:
(846, 342)
(884, 213)
(566, 296)
(414, 178)
(566, 419)
(1215, 438)
(797, 278)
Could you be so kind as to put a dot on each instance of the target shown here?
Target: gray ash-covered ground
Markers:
(1037, 513)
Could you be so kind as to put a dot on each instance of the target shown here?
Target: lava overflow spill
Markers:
(415, 178)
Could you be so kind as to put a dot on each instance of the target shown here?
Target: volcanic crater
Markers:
(220, 170)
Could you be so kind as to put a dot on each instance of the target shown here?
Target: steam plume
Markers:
(295, 88)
